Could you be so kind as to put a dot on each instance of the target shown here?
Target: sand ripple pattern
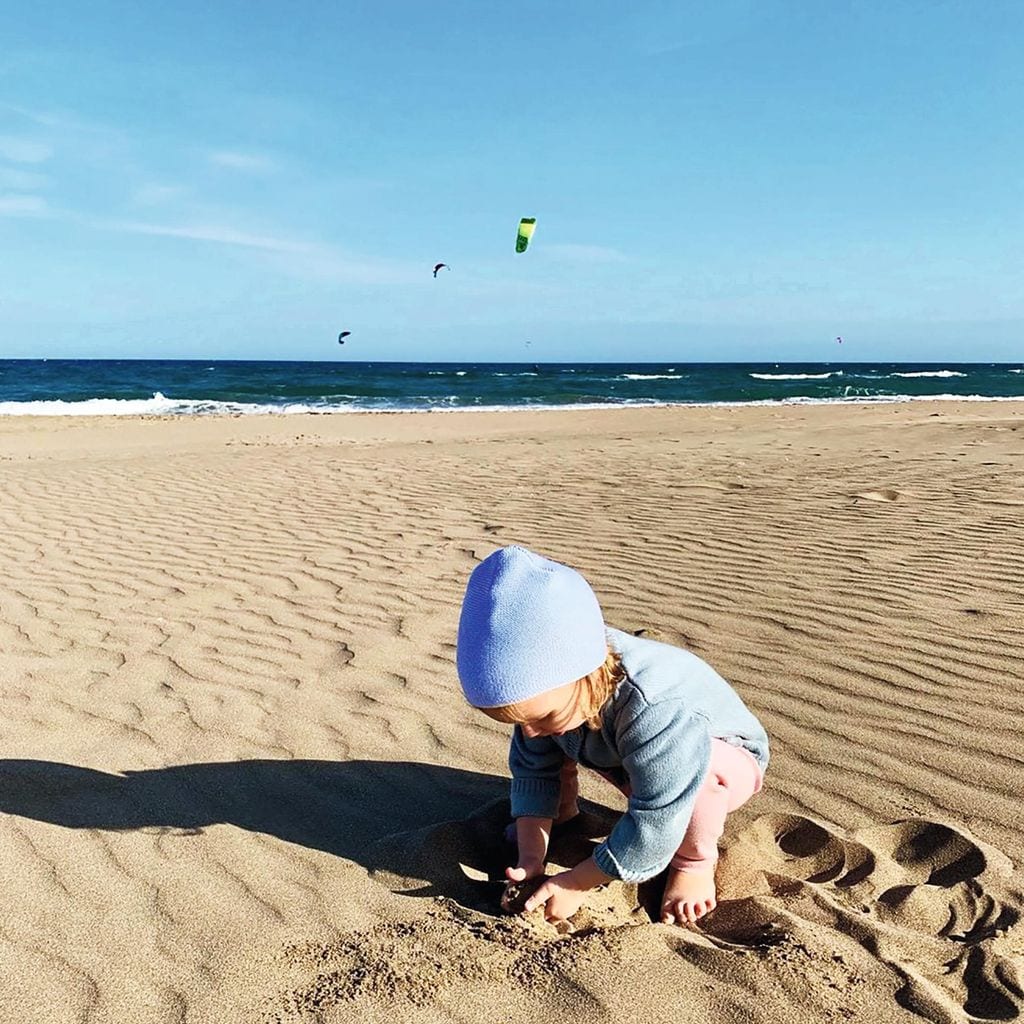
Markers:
(228, 693)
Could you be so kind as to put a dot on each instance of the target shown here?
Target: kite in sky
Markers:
(438, 266)
(526, 226)
(343, 336)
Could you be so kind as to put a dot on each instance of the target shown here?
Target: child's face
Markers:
(552, 713)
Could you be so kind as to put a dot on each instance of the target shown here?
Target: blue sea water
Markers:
(180, 387)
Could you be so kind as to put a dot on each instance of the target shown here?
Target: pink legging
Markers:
(734, 776)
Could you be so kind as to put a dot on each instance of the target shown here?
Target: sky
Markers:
(740, 180)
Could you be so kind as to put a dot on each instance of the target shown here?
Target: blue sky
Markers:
(742, 180)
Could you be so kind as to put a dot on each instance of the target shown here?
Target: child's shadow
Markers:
(417, 828)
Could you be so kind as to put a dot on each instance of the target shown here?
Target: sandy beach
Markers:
(239, 783)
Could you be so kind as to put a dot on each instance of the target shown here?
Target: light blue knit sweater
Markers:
(656, 735)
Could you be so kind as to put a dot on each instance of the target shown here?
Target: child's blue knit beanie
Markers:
(528, 625)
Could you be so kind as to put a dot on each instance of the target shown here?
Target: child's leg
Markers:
(734, 776)
(568, 805)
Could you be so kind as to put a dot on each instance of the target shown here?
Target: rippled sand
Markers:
(238, 782)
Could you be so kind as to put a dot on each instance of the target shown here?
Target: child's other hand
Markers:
(525, 870)
(522, 881)
(560, 896)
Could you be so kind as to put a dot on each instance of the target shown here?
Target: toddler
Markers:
(655, 720)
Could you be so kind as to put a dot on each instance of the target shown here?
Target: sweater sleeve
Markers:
(535, 765)
(665, 752)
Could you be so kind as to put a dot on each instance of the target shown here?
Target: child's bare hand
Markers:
(529, 869)
(560, 896)
(523, 880)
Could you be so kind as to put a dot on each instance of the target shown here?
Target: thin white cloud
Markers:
(252, 163)
(322, 263)
(65, 123)
(213, 233)
(15, 204)
(43, 117)
(153, 193)
(21, 181)
(307, 260)
(585, 253)
(24, 151)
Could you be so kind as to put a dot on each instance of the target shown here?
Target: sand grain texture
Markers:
(238, 781)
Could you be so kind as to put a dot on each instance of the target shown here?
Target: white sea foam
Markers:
(931, 373)
(651, 376)
(654, 404)
(1017, 371)
(796, 376)
(159, 405)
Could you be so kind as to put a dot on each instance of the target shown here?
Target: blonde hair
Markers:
(593, 692)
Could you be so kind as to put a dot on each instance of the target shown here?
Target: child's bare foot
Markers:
(689, 895)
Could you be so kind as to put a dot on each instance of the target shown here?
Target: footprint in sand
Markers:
(884, 494)
(917, 914)
(921, 898)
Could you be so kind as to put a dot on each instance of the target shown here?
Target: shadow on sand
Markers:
(418, 828)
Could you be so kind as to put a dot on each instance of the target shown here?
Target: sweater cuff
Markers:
(610, 865)
(535, 798)
(606, 862)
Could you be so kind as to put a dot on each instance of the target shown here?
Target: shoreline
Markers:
(263, 410)
(29, 437)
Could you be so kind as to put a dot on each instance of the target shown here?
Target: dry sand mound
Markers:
(907, 920)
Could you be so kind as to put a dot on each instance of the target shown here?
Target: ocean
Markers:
(72, 387)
